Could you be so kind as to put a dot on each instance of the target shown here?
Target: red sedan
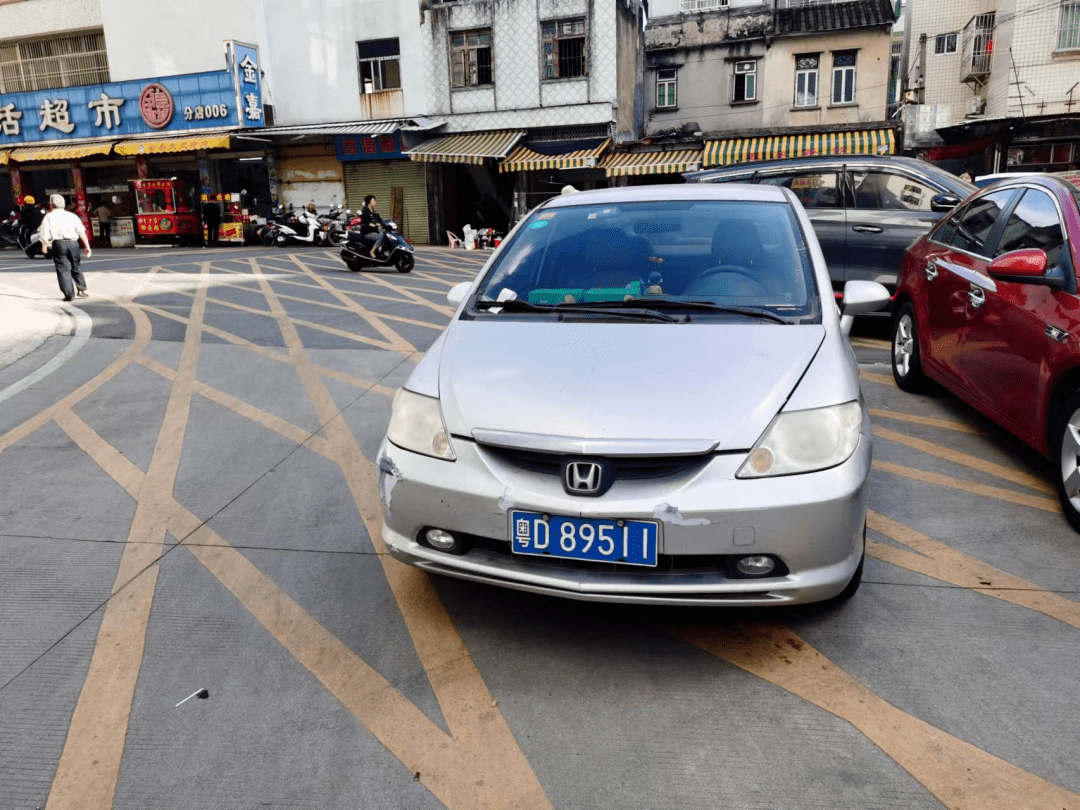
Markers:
(987, 306)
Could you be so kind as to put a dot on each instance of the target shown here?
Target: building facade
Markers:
(451, 113)
(754, 80)
(995, 84)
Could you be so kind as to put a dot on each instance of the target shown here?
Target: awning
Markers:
(472, 147)
(638, 163)
(383, 127)
(556, 155)
(960, 150)
(3, 158)
(157, 146)
(27, 154)
(854, 142)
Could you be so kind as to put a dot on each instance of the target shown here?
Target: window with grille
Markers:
(945, 43)
(745, 84)
(667, 81)
(806, 80)
(843, 89)
(470, 59)
(379, 65)
(702, 5)
(562, 45)
(60, 61)
(1069, 31)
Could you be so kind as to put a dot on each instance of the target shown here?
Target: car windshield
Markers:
(712, 259)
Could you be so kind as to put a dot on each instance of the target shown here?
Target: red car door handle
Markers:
(931, 271)
(976, 296)
(866, 229)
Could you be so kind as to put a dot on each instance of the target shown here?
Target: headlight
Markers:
(416, 424)
(804, 441)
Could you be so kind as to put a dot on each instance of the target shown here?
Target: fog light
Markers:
(756, 565)
(437, 538)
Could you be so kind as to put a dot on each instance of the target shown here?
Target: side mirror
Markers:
(1026, 266)
(944, 202)
(458, 292)
(860, 297)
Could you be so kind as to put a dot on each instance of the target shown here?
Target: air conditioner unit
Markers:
(976, 105)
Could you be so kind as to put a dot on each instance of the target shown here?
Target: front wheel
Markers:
(906, 359)
(267, 237)
(336, 237)
(1066, 460)
(405, 262)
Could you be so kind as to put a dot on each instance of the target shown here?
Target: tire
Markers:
(267, 237)
(906, 357)
(1066, 459)
(336, 237)
(405, 262)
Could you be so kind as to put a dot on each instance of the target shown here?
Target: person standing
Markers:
(61, 231)
(104, 218)
(212, 219)
(30, 216)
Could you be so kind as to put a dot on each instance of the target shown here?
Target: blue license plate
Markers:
(633, 542)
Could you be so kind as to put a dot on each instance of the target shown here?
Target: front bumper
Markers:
(813, 523)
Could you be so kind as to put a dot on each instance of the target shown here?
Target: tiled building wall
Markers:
(518, 97)
(1045, 73)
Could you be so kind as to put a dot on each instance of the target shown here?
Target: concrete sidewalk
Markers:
(28, 317)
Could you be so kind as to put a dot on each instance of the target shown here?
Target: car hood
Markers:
(653, 383)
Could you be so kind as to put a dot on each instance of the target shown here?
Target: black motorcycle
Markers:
(11, 234)
(395, 251)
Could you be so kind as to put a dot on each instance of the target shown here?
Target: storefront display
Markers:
(164, 210)
(236, 221)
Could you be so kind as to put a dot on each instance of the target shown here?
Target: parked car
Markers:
(865, 209)
(988, 307)
(643, 397)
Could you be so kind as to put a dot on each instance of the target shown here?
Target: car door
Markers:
(957, 259)
(888, 210)
(1017, 328)
(819, 191)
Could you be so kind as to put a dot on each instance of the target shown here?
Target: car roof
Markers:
(671, 192)
(898, 161)
(1063, 181)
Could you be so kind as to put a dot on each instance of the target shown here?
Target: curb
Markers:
(27, 321)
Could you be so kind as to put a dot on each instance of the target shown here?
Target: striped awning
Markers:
(157, 146)
(524, 159)
(28, 154)
(638, 163)
(469, 147)
(3, 157)
(856, 142)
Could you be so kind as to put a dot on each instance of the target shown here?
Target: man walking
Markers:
(61, 231)
(104, 218)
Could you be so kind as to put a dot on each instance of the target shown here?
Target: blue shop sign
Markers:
(171, 104)
(367, 147)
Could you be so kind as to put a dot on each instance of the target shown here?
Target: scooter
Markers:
(335, 224)
(9, 232)
(395, 250)
(305, 228)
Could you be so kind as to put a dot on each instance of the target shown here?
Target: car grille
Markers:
(625, 468)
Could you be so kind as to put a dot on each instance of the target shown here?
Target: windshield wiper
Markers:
(519, 305)
(700, 306)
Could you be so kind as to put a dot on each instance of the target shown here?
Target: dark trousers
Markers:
(212, 231)
(66, 257)
(104, 231)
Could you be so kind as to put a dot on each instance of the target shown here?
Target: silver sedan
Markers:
(646, 396)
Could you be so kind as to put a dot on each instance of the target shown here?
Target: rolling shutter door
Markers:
(378, 177)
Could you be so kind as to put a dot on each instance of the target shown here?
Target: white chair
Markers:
(453, 239)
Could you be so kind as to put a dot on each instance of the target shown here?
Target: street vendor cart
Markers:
(164, 211)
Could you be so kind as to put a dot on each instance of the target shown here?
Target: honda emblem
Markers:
(582, 477)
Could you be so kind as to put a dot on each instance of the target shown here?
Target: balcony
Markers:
(977, 53)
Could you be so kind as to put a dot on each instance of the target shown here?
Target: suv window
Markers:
(1034, 223)
(814, 189)
(881, 189)
(970, 227)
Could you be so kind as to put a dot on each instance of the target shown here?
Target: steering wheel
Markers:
(727, 269)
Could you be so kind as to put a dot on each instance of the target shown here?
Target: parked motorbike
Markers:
(303, 227)
(335, 224)
(395, 251)
(10, 232)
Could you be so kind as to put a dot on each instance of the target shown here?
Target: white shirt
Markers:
(60, 224)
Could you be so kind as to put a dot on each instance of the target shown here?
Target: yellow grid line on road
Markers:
(929, 421)
(997, 493)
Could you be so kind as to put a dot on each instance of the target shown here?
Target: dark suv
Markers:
(866, 209)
